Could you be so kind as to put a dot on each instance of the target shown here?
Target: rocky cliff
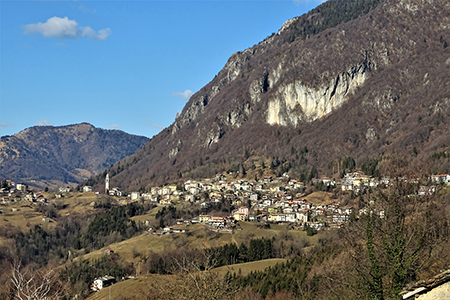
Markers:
(350, 78)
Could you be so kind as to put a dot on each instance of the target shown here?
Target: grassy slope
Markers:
(320, 198)
(246, 268)
(136, 288)
(198, 237)
(26, 217)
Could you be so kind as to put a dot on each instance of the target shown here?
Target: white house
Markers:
(135, 195)
(254, 197)
(87, 188)
(291, 217)
(302, 216)
(102, 282)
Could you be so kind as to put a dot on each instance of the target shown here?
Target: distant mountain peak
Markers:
(51, 155)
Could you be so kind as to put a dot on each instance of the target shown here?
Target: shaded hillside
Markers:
(358, 79)
(41, 155)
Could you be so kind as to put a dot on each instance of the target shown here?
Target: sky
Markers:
(127, 65)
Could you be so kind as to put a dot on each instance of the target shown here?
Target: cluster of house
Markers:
(358, 182)
(440, 179)
(270, 200)
(297, 212)
(215, 191)
(13, 192)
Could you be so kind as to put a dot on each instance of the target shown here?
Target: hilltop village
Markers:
(270, 200)
(273, 200)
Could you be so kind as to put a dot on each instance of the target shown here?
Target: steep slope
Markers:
(42, 154)
(351, 78)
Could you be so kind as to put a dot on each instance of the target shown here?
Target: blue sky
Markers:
(128, 65)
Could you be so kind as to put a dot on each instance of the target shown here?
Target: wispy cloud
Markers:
(86, 10)
(153, 125)
(185, 95)
(4, 124)
(63, 28)
(44, 123)
(115, 126)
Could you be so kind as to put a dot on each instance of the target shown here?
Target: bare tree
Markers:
(39, 285)
(191, 281)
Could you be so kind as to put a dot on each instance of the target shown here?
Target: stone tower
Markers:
(107, 184)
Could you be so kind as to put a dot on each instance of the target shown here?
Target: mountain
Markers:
(51, 156)
(351, 80)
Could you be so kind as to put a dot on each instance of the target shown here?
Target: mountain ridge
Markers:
(57, 155)
(359, 88)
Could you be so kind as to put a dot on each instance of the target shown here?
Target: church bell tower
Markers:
(107, 184)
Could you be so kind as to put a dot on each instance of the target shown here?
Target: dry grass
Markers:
(142, 245)
(77, 203)
(139, 287)
(250, 230)
(24, 218)
(134, 288)
(320, 198)
(27, 217)
(245, 268)
(198, 236)
(148, 216)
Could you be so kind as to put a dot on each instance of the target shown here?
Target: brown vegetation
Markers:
(400, 109)
(55, 156)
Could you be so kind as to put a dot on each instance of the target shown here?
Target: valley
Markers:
(314, 165)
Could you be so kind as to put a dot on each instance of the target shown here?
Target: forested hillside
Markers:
(47, 156)
(350, 79)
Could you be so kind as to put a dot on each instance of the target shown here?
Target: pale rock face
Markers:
(440, 106)
(175, 128)
(258, 87)
(371, 134)
(295, 102)
(212, 136)
(214, 91)
(287, 24)
(233, 119)
(275, 75)
(255, 91)
(385, 101)
(192, 112)
(235, 64)
(173, 152)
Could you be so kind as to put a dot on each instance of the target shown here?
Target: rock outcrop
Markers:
(350, 78)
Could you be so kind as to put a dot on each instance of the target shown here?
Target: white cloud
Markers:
(185, 95)
(102, 33)
(86, 10)
(44, 123)
(4, 124)
(115, 126)
(63, 28)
